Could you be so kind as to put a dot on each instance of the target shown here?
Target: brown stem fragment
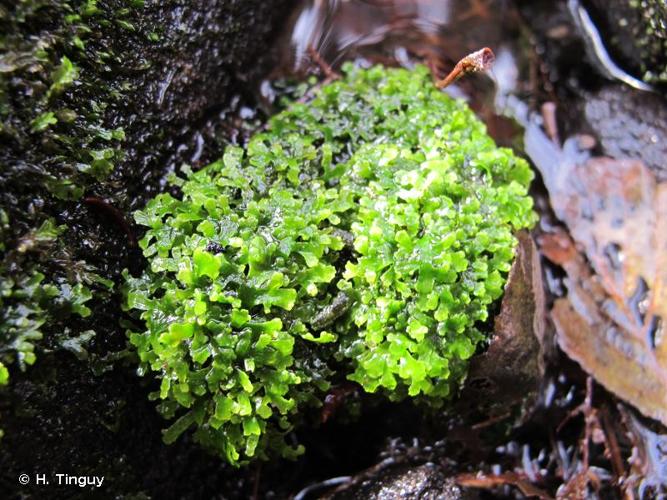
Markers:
(550, 121)
(328, 71)
(113, 213)
(329, 74)
(613, 448)
(475, 62)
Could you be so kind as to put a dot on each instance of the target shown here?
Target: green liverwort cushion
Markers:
(368, 229)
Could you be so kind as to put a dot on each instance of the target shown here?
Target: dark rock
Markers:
(508, 373)
(636, 34)
(425, 482)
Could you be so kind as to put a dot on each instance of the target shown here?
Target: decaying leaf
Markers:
(612, 320)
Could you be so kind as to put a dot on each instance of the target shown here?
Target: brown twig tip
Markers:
(317, 58)
(480, 60)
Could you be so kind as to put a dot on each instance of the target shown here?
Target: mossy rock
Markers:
(99, 99)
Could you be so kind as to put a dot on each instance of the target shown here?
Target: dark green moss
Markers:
(50, 72)
(100, 100)
(82, 97)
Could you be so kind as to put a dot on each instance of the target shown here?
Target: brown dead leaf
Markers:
(490, 481)
(612, 319)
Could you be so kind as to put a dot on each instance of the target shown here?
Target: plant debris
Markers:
(611, 322)
(480, 60)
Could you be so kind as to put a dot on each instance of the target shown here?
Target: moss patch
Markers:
(367, 230)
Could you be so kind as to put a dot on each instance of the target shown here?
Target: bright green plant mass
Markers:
(367, 229)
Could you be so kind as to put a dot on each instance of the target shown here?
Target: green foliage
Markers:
(368, 229)
(54, 71)
(23, 315)
(64, 75)
(28, 301)
(644, 24)
(432, 242)
(4, 374)
(43, 121)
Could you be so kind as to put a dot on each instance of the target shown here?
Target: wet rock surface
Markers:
(630, 124)
(508, 372)
(426, 482)
(207, 53)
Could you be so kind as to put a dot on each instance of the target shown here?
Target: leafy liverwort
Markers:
(368, 229)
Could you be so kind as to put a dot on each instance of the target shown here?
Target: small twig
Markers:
(488, 481)
(584, 408)
(480, 60)
(328, 71)
(255, 485)
(611, 442)
(329, 75)
(115, 214)
(491, 421)
(369, 473)
(578, 483)
(590, 416)
(329, 483)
